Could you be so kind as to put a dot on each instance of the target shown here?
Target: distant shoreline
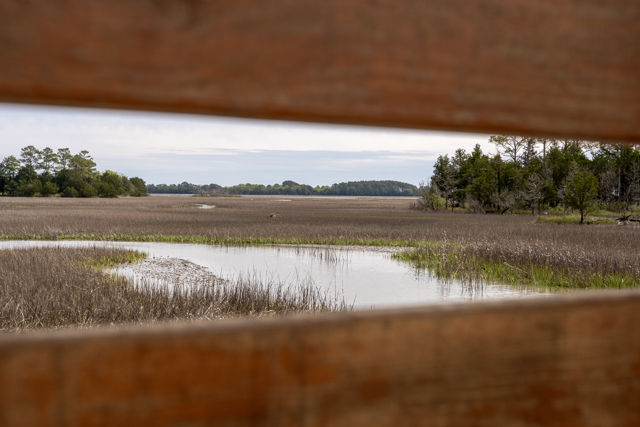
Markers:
(286, 196)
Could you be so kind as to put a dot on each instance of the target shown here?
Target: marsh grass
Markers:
(53, 288)
(602, 254)
(214, 240)
(519, 264)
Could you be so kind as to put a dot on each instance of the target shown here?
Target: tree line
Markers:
(49, 173)
(351, 188)
(536, 173)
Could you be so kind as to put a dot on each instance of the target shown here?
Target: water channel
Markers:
(366, 278)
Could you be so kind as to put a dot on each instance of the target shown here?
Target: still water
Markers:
(365, 278)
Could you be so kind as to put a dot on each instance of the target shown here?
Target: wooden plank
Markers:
(550, 67)
(565, 361)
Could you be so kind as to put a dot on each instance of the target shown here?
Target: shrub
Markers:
(70, 192)
(106, 190)
(29, 188)
(49, 189)
(87, 190)
(139, 187)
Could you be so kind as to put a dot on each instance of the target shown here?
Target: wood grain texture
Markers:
(566, 361)
(550, 67)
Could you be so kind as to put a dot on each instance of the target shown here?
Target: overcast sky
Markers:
(172, 148)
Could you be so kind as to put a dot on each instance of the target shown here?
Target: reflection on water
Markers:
(367, 278)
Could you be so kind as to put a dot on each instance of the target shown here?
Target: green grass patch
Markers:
(603, 213)
(448, 262)
(574, 219)
(217, 240)
(128, 257)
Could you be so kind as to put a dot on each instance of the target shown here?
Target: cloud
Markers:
(178, 147)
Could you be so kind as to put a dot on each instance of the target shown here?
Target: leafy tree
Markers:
(61, 173)
(70, 192)
(8, 170)
(9, 167)
(110, 184)
(30, 156)
(87, 190)
(520, 173)
(26, 173)
(82, 163)
(63, 159)
(48, 160)
(49, 189)
(11, 188)
(81, 175)
(481, 176)
(105, 189)
(139, 187)
(582, 188)
(459, 162)
(29, 188)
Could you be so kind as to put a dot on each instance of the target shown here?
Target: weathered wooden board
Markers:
(566, 361)
(550, 67)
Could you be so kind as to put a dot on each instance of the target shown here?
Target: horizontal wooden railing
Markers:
(557, 68)
(565, 361)
(552, 67)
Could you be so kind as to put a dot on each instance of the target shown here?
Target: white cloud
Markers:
(191, 145)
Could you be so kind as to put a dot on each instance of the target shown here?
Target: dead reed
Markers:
(52, 288)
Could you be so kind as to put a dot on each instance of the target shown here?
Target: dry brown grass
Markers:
(52, 288)
(240, 217)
